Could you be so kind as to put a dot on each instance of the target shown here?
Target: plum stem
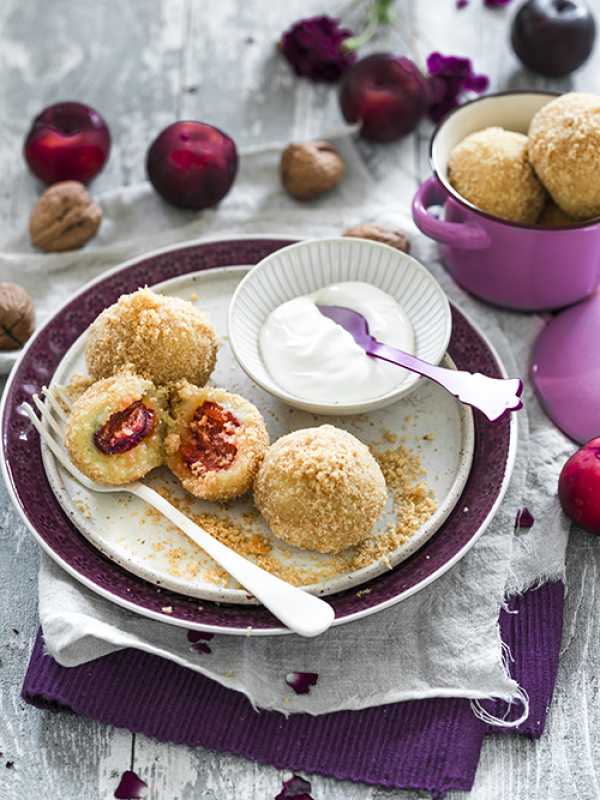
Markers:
(380, 14)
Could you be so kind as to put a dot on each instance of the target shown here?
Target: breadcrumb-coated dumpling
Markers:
(217, 442)
(165, 339)
(115, 430)
(564, 148)
(491, 169)
(320, 489)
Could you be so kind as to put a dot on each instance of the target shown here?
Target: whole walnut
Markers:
(17, 317)
(64, 218)
(391, 236)
(309, 169)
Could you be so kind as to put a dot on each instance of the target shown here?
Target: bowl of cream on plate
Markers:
(314, 358)
(283, 342)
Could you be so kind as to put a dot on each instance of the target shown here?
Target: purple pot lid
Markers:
(26, 479)
(565, 369)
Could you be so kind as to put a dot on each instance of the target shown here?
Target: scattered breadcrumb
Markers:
(564, 139)
(83, 508)
(413, 504)
(246, 541)
(167, 609)
(491, 169)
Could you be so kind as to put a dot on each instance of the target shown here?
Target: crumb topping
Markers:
(166, 339)
(320, 489)
(564, 145)
(413, 503)
(491, 169)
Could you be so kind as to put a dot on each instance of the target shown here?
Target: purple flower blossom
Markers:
(314, 48)
(198, 640)
(296, 787)
(524, 518)
(302, 681)
(449, 78)
(495, 3)
(461, 4)
(131, 787)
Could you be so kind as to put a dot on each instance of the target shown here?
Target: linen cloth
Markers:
(442, 642)
(432, 745)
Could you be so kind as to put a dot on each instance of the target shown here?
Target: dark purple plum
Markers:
(553, 37)
(387, 94)
(67, 142)
(192, 164)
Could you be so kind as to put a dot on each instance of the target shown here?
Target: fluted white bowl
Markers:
(309, 265)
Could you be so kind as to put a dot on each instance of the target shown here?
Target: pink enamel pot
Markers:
(530, 268)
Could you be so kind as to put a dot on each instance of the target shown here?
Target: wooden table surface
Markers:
(145, 63)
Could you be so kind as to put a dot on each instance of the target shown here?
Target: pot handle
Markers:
(455, 234)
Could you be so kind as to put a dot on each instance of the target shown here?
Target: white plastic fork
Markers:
(298, 610)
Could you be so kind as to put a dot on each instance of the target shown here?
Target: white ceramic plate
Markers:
(120, 527)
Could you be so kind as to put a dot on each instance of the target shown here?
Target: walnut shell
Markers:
(17, 317)
(390, 236)
(64, 218)
(309, 169)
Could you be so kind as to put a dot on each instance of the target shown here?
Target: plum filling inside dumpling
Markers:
(209, 443)
(125, 429)
(116, 429)
(216, 441)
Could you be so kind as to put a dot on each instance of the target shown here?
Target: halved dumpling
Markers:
(115, 431)
(217, 443)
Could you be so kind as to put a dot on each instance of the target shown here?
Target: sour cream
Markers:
(314, 358)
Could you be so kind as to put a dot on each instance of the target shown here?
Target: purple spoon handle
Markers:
(493, 396)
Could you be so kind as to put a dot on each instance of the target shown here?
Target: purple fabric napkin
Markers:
(430, 745)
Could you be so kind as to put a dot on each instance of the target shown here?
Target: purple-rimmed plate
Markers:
(27, 482)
